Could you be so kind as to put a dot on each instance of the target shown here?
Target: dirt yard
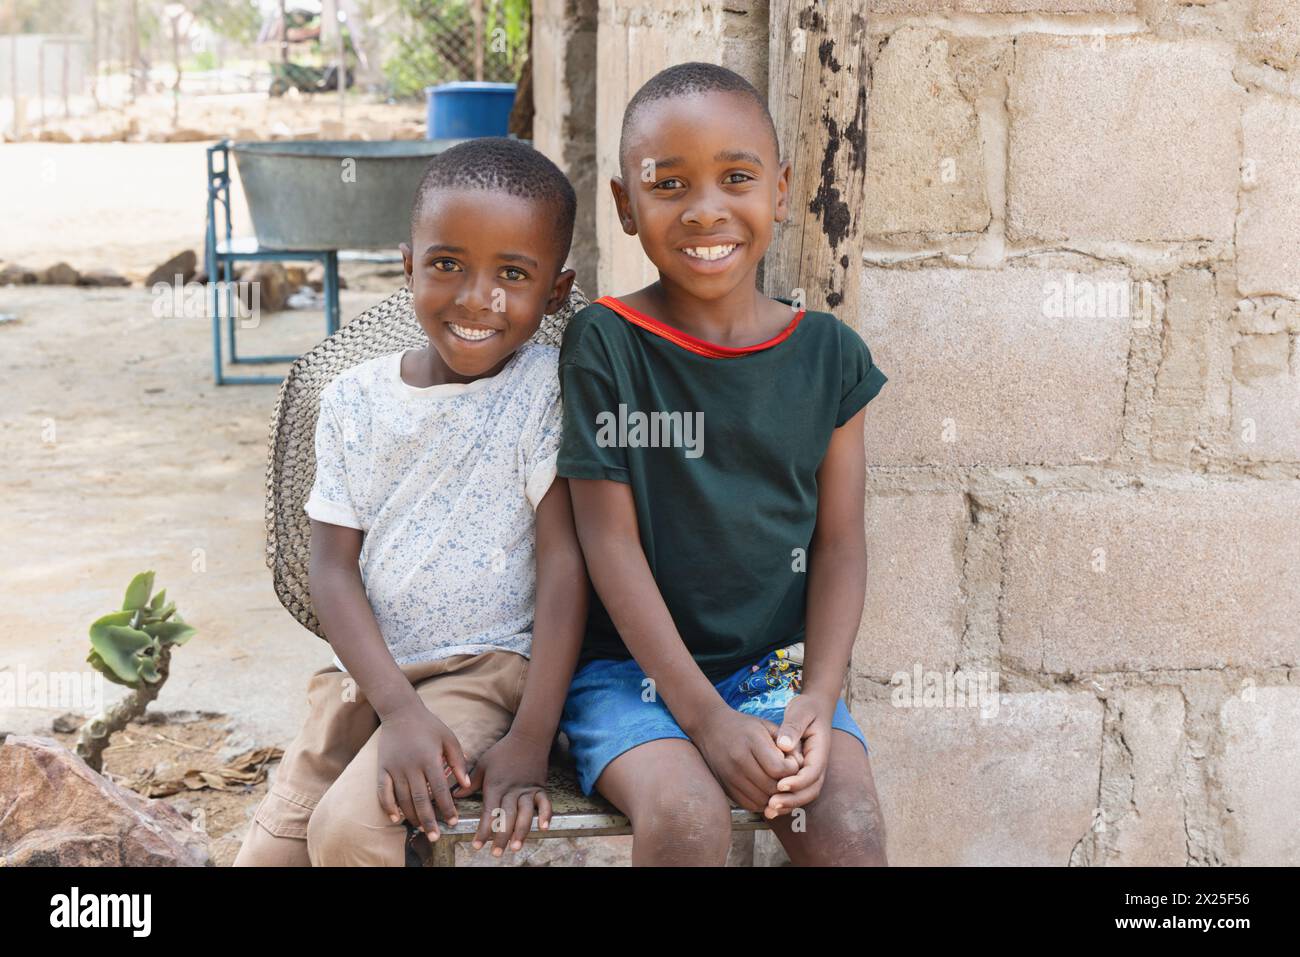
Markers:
(119, 455)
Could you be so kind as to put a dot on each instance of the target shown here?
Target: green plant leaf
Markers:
(99, 665)
(158, 601)
(166, 612)
(149, 669)
(124, 650)
(100, 627)
(170, 632)
(137, 593)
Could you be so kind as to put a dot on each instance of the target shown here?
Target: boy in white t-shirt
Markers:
(445, 570)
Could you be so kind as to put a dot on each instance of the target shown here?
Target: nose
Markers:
(707, 209)
(476, 291)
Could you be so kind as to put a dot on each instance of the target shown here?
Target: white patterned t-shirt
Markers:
(444, 482)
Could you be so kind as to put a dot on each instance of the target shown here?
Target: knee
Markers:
(327, 831)
(849, 833)
(339, 836)
(686, 823)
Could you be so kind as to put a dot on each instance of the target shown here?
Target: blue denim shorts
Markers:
(606, 714)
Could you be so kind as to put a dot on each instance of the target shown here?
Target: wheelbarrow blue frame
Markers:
(219, 257)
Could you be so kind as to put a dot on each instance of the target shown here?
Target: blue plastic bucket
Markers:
(467, 109)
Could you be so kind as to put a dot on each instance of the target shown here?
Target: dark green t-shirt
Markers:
(721, 448)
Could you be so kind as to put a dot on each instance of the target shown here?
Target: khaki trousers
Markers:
(323, 807)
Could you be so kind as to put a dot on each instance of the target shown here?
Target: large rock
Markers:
(185, 263)
(54, 810)
(60, 274)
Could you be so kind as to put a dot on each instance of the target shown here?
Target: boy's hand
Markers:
(417, 752)
(805, 732)
(740, 751)
(512, 774)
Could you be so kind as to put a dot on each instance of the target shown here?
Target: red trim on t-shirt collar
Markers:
(686, 341)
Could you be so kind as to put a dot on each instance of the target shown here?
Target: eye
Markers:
(744, 177)
(665, 182)
(443, 264)
(514, 273)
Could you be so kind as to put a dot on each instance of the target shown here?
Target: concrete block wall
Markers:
(1079, 264)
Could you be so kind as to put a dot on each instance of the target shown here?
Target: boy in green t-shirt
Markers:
(713, 439)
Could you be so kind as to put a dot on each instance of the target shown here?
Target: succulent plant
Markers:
(131, 647)
(127, 645)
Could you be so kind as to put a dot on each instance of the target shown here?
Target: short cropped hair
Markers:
(687, 79)
(506, 165)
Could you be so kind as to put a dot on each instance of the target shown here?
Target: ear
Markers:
(782, 193)
(407, 264)
(623, 205)
(560, 291)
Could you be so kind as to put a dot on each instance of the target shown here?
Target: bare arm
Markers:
(558, 621)
(738, 748)
(339, 598)
(607, 528)
(414, 744)
(837, 564)
(837, 584)
(512, 773)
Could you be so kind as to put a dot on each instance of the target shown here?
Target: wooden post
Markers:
(817, 90)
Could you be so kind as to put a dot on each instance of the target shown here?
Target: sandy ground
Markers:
(93, 206)
(119, 455)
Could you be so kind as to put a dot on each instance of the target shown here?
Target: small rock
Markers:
(185, 263)
(316, 278)
(102, 277)
(54, 136)
(68, 722)
(60, 274)
(13, 274)
(272, 286)
(54, 810)
(186, 135)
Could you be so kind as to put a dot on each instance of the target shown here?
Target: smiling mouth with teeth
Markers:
(709, 252)
(471, 335)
